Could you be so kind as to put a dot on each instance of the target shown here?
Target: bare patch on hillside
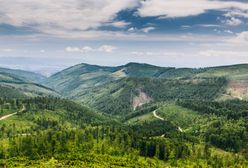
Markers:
(141, 99)
(238, 88)
(120, 74)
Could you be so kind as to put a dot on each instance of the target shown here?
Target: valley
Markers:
(124, 84)
(135, 115)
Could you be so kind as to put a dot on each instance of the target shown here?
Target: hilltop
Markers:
(134, 84)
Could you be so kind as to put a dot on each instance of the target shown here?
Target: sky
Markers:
(47, 36)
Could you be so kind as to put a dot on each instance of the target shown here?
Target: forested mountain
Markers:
(24, 75)
(129, 86)
(136, 115)
(124, 95)
(15, 86)
(53, 132)
(95, 85)
(84, 76)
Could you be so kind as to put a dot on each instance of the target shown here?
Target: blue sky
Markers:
(46, 37)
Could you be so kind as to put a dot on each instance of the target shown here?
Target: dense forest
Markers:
(54, 132)
(231, 131)
(183, 118)
(116, 97)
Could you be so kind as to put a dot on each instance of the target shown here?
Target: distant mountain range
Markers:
(121, 89)
(22, 84)
(24, 75)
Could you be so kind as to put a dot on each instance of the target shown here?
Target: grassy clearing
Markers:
(141, 119)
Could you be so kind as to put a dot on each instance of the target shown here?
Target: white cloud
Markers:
(140, 53)
(186, 26)
(72, 49)
(120, 24)
(229, 31)
(84, 49)
(87, 49)
(143, 30)
(241, 38)
(182, 8)
(62, 17)
(6, 50)
(237, 13)
(208, 25)
(233, 21)
(107, 48)
(82, 18)
(132, 29)
(147, 29)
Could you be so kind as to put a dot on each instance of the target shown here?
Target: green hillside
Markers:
(10, 92)
(24, 75)
(82, 77)
(52, 132)
(232, 72)
(118, 90)
(222, 125)
(51, 110)
(14, 86)
(124, 95)
(137, 115)
(237, 77)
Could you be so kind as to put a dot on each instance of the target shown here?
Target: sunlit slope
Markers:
(24, 75)
(126, 87)
(82, 77)
(43, 111)
(125, 95)
(13, 86)
(237, 75)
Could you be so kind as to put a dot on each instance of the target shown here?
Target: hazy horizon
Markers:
(124, 83)
(45, 37)
(50, 73)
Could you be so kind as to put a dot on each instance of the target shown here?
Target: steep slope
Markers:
(232, 72)
(132, 85)
(222, 124)
(42, 111)
(13, 86)
(119, 97)
(24, 75)
(10, 92)
(82, 77)
(237, 76)
(142, 70)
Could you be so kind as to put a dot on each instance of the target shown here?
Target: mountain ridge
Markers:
(13, 85)
(82, 82)
(27, 75)
(99, 86)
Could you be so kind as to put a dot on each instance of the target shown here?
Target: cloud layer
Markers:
(76, 17)
(87, 49)
(62, 16)
(162, 32)
(182, 8)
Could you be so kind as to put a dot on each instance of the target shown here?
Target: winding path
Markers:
(160, 118)
(10, 115)
(155, 115)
